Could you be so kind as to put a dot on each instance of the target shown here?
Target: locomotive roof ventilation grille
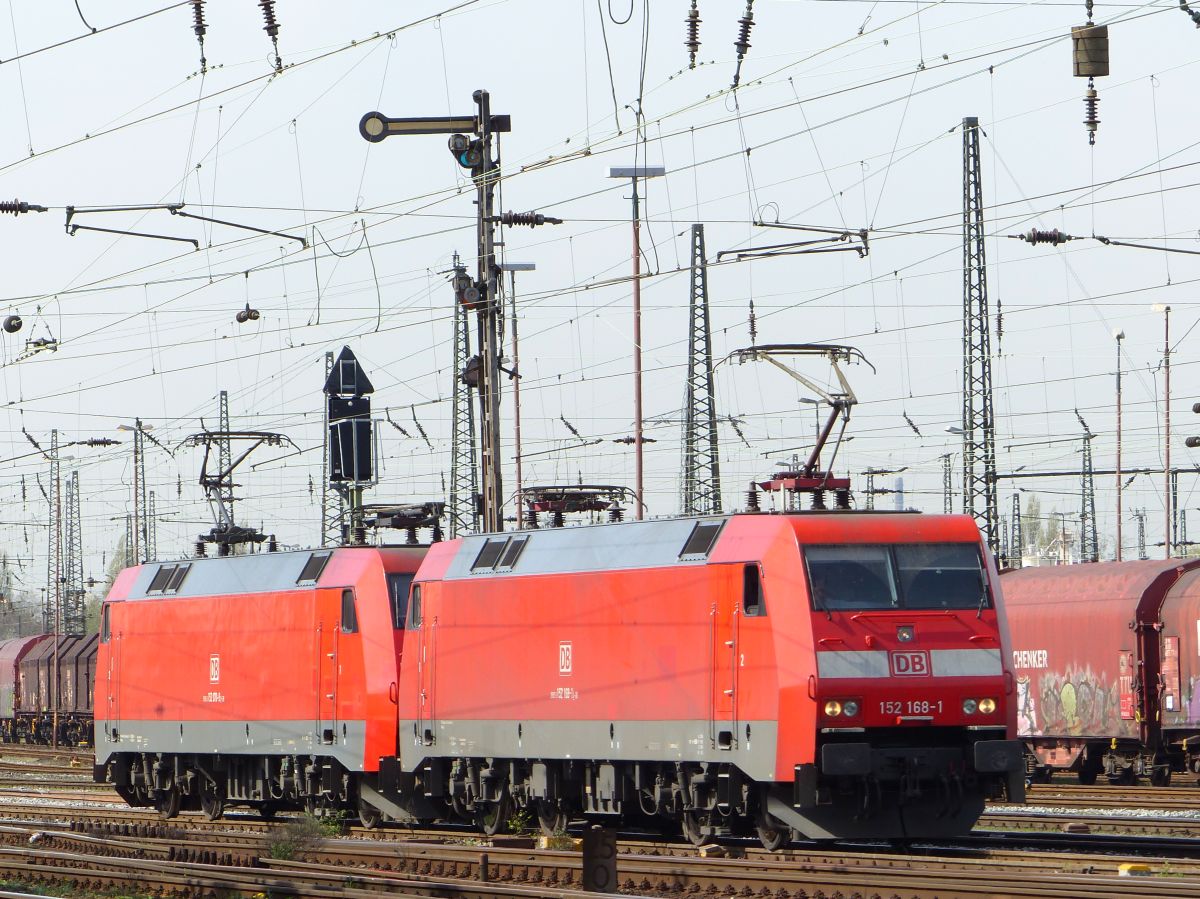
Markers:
(168, 578)
(700, 542)
(499, 554)
(313, 567)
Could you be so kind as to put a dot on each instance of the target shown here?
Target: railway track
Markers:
(87, 837)
(406, 867)
(1180, 798)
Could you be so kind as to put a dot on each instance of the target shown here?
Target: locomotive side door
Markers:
(424, 623)
(112, 684)
(326, 609)
(724, 609)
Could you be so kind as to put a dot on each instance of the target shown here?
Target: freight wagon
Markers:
(28, 681)
(1107, 657)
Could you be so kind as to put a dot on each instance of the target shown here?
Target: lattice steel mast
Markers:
(1016, 541)
(978, 424)
(331, 500)
(701, 463)
(464, 475)
(73, 592)
(151, 527)
(224, 455)
(947, 485)
(54, 554)
(1089, 541)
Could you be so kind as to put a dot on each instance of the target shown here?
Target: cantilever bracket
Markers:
(174, 209)
(177, 209)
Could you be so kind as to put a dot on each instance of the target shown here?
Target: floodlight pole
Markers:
(1168, 518)
(633, 173)
(1118, 335)
(512, 268)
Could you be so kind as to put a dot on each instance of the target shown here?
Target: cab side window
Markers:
(414, 608)
(105, 626)
(349, 615)
(752, 594)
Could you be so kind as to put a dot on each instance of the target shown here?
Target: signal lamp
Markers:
(987, 706)
(833, 708)
(468, 153)
(969, 706)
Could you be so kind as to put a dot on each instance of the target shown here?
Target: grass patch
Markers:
(294, 837)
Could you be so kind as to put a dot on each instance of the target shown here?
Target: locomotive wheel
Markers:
(1160, 776)
(368, 816)
(212, 804)
(168, 802)
(267, 810)
(1087, 776)
(551, 818)
(492, 817)
(693, 828)
(772, 833)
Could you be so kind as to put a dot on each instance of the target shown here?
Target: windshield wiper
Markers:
(982, 597)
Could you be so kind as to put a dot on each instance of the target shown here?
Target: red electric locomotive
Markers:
(824, 674)
(832, 675)
(267, 679)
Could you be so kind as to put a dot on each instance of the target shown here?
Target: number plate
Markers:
(910, 707)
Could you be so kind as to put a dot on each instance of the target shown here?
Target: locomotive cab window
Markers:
(851, 577)
(349, 615)
(398, 587)
(940, 576)
(909, 576)
(752, 598)
(105, 626)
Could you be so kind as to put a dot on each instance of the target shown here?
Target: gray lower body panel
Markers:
(750, 744)
(233, 738)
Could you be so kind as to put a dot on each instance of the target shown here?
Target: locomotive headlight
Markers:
(849, 708)
(987, 706)
(969, 706)
(833, 708)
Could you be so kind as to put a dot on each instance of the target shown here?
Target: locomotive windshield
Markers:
(901, 576)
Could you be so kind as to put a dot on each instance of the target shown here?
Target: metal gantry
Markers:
(73, 589)
(701, 462)
(978, 424)
(464, 474)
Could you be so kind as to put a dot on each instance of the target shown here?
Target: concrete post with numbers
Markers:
(600, 860)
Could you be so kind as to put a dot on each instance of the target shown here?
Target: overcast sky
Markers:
(848, 115)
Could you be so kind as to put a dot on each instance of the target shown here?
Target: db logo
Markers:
(214, 668)
(909, 663)
(564, 657)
